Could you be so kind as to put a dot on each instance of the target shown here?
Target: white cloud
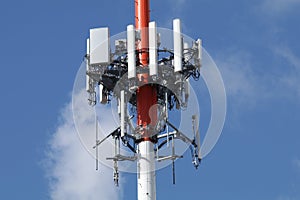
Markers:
(179, 2)
(178, 5)
(246, 85)
(286, 53)
(241, 82)
(290, 72)
(275, 7)
(70, 169)
(286, 198)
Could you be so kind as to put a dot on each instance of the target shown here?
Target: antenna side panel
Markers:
(153, 48)
(131, 51)
(177, 37)
(199, 42)
(87, 78)
(122, 105)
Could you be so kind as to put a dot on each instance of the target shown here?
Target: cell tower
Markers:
(151, 81)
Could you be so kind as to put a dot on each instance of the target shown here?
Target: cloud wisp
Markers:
(279, 7)
(70, 169)
(246, 85)
(291, 72)
(242, 83)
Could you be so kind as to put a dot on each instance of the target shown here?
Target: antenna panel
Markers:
(102, 96)
(177, 37)
(199, 43)
(153, 48)
(99, 46)
(131, 51)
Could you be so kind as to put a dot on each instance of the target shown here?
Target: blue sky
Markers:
(255, 45)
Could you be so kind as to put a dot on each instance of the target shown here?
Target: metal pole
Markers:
(146, 98)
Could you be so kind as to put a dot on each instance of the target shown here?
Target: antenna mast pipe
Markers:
(146, 100)
(146, 95)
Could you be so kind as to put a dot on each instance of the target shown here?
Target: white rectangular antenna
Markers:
(131, 51)
(199, 43)
(99, 46)
(152, 49)
(123, 110)
(119, 106)
(177, 37)
(87, 78)
(102, 97)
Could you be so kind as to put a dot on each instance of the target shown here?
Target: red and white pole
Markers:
(146, 100)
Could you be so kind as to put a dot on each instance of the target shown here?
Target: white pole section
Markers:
(146, 171)
(131, 51)
(177, 45)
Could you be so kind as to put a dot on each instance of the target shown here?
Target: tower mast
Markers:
(131, 75)
(146, 110)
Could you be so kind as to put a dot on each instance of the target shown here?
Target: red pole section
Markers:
(142, 18)
(146, 94)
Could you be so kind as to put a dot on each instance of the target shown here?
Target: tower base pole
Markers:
(146, 180)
